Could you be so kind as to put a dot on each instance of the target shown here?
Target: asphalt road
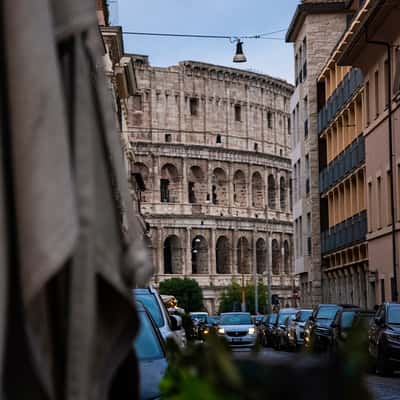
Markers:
(382, 388)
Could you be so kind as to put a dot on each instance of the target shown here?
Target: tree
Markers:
(231, 298)
(186, 291)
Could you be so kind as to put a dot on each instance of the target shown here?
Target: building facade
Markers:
(314, 31)
(373, 46)
(212, 145)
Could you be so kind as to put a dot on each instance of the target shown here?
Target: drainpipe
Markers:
(391, 157)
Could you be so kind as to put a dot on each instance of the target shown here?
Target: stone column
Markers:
(187, 267)
(234, 252)
(211, 252)
(184, 198)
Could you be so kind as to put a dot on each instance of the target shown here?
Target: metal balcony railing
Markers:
(345, 234)
(343, 93)
(348, 160)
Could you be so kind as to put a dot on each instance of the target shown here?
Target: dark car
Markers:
(384, 338)
(279, 333)
(345, 320)
(150, 352)
(209, 325)
(266, 328)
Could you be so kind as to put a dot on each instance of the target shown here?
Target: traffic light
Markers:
(275, 299)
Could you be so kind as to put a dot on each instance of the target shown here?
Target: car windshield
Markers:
(394, 314)
(147, 344)
(212, 320)
(302, 316)
(326, 313)
(235, 319)
(282, 317)
(347, 319)
(152, 306)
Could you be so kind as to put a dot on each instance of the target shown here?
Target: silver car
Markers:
(238, 329)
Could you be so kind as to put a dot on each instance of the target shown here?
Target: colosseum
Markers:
(212, 147)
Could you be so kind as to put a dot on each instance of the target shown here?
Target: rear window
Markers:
(235, 319)
(282, 317)
(347, 319)
(394, 314)
(151, 304)
(147, 344)
(326, 313)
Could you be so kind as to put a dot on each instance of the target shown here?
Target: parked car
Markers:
(295, 336)
(345, 320)
(279, 333)
(384, 339)
(266, 329)
(238, 329)
(170, 326)
(150, 352)
(318, 333)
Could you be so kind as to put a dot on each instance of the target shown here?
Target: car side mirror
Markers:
(176, 322)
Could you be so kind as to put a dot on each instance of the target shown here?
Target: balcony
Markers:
(347, 161)
(345, 234)
(342, 94)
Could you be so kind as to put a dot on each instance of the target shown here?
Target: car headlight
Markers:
(205, 331)
(252, 331)
(221, 331)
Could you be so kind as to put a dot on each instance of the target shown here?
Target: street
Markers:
(383, 388)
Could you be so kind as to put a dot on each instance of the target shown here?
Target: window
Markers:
(255, 146)
(309, 234)
(168, 137)
(147, 344)
(383, 290)
(396, 83)
(367, 105)
(137, 102)
(376, 93)
(238, 113)
(289, 127)
(164, 189)
(388, 198)
(192, 196)
(269, 119)
(219, 139)
(386, 88)
(194, 105)
(370, 205)
(379, 201)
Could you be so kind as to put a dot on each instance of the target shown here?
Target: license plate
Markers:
(235, 340)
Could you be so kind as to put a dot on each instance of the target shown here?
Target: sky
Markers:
(210, 17)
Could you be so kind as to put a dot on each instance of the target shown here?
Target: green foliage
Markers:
(232, 296)
(186, 291)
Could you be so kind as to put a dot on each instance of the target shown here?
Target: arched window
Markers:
(276, 257)
(172, 255)
(243, 256)
(169, 184)
(142, 170)
(271, 192)
(197, 187)
(286, 258)
(282, 189)
(223, 255)
(257, 190)
(199, 255)
(269, 119)
(239, 189)
(261, 256)
(219, 183)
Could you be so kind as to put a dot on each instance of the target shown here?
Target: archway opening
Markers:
(223, 257)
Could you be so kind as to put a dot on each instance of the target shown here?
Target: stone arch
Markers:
(243, 256)
(223, 255)
(169, 184)
(172, 255)
(286, 258)
(282, 193)
(197, 187)
(219, 181)
(257, 190)
(276, 257)
(199, 255)
(261, 256)
(271, 192)
(143, 170)
(239, 189)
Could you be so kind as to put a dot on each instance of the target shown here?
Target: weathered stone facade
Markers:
(213, 145)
